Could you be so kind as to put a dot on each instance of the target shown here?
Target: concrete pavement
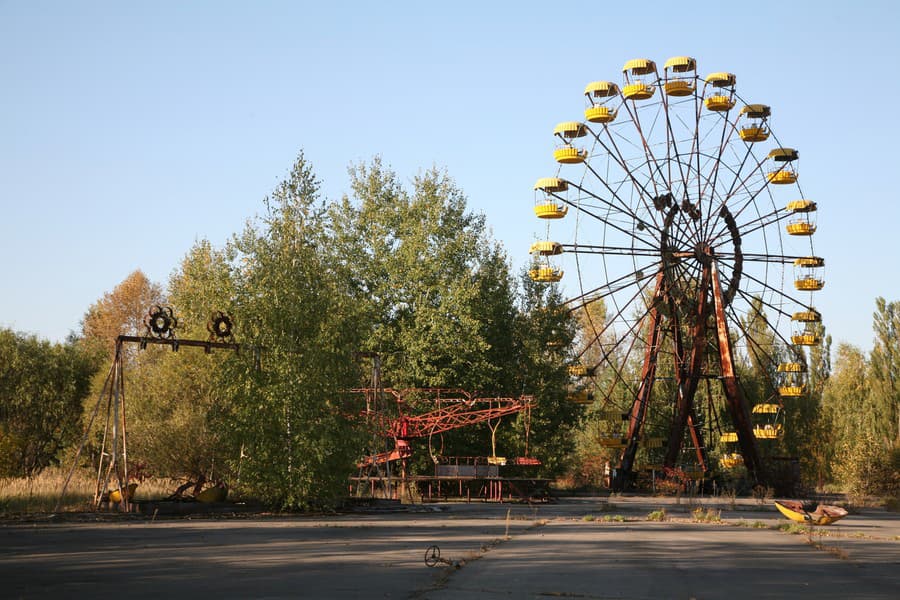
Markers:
(562, 550)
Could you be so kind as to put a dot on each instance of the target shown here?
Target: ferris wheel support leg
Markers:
(737, 405)
(688, 376)
(642, 398)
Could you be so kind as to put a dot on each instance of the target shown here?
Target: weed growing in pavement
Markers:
(657, 515)
(792, 528)
(707, 516)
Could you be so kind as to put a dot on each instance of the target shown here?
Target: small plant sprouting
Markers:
(657, 515)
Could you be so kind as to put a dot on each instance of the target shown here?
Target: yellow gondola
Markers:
(598, 94)
(545, 274)
(546, 207)
(791, 391)
(731, 460)
(635, 88)
(579, 371)
(723, 98)
(682, 83)
(581, 397)
(755, 129)
(806, 338)
(786, 172)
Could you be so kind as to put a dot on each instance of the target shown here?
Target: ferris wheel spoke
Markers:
(748, 297)
(609, 250)
(728, 128)
(605, 221)
(736, 321)
(754, 346)
(614, 152)
(651, 161)
(614, 286)
(620, 204)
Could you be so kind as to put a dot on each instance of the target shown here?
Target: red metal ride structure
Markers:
(450, 409)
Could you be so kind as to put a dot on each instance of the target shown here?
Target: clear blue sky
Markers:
(130, 130)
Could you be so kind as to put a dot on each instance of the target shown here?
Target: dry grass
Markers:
(41, 493)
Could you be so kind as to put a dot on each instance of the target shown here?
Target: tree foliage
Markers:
(884, 370)
(42, 387)
(282, 418)
(121, 311)
(435, 294)
(175, 398)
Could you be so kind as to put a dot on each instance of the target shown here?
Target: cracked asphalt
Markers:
(575, 548)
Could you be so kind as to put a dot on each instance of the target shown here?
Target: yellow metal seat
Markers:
(754, 133)
(768, 432)
(807, 338)
(765, 408)
(719, 103)
(638, 91)
(755, 129)
(545, 274)
(782, 176)
(568, 155)
(800, 228)
(578, 370)
(679, 87)
(791, 391)
(731, 460)
(792, 367)
(550, 210)
(809, 284)
(599, 114)
(728, 436)
(682, 84)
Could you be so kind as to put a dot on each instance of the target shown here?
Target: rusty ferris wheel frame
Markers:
(683, 216)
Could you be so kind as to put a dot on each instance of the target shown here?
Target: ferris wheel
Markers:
(679, 230)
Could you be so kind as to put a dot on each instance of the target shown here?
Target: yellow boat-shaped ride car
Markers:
(814, 514)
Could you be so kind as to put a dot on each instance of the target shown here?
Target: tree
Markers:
(843, 401)
(121, 311)
(175, 398)
(428, 279)
(42, 386)
(282, 418)
(884, 363)
(545, 333)
(434, 290)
